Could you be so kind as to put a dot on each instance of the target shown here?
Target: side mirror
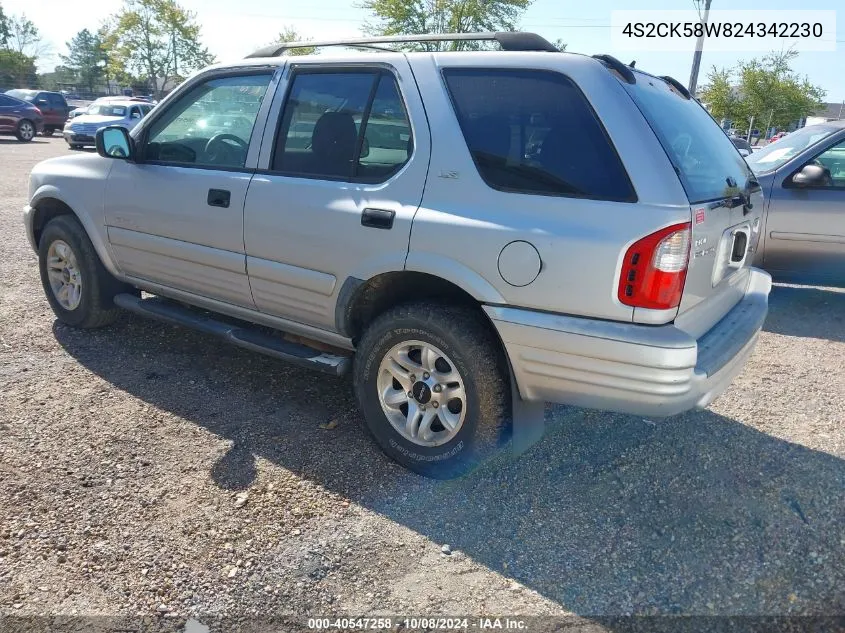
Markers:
(114, 142)
(811, 176)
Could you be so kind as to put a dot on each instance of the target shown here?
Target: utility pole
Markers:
(699, 44)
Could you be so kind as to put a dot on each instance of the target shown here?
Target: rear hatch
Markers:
(725, 200)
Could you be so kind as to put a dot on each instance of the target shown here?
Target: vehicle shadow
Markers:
(807, 311)
(607, 515)
(13, 141)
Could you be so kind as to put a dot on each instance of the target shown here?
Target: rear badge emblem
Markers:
(699, 216)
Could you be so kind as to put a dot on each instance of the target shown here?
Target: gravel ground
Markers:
(146, 469)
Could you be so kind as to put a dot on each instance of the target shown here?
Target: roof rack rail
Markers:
(677, 85)
(614, 64)
(508, 40)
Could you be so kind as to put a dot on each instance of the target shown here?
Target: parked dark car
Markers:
(52, 105)
(20, 118)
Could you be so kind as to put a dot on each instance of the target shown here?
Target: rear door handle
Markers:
(378, 218)
(219, 198)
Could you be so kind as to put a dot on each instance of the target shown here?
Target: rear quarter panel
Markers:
(581, 242)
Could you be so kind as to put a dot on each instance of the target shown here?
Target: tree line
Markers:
(765, 88)
(148, 45)
(152, 45)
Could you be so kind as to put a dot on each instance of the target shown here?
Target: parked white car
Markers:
(82, 129)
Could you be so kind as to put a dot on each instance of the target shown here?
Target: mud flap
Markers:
(528, 421)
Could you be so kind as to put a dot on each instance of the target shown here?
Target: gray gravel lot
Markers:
(146, 469)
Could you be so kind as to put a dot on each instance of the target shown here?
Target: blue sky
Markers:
(232, 29)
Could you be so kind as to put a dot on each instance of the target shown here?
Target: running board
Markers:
(240, 335)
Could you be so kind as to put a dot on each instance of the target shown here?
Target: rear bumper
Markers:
(636, 369)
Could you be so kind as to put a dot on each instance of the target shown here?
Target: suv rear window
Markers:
(708, 164)
(532, 131)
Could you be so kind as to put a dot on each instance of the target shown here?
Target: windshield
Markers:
(107, 110)
(26, 95)
(776, 154)
(707, 163)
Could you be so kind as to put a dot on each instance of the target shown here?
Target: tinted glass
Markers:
(704, 157)
(8, 101)
(776, 154)
(55, 100)
(319, 128)
(26, 95)
(833, 160)
(532, 131)
(388, 138)
(210, 125)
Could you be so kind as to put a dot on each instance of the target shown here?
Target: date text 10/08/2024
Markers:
(422, 623)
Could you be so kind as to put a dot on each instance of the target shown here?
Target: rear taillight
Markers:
(38, 110)
(655, 268)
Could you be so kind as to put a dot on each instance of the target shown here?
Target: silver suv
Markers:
(464, 232)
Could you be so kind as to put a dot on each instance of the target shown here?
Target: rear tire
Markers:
(25, 131)
(462, 399)
(78, 287)
(75, 146)
(48, 131)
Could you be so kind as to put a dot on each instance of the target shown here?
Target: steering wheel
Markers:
(216, 145)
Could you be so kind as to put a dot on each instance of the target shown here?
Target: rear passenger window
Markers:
(343, 125)
(532, 131)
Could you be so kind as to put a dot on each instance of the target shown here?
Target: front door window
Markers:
(211, 125)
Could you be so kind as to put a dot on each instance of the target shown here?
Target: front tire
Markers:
(432, 387)
(78, 287)
(25, 131)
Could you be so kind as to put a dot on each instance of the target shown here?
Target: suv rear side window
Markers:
(343, 125)
(709, 166)
(532, 131)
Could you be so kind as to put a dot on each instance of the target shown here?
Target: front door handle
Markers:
(219, 198)
(378, 218)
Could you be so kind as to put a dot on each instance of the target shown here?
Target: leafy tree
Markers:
(719, 94)
(157, 39)
(4, 28)
(400, 17)
(84, 58)
(25, 38)
(766, 88)
(290, 34)
(60, 77)
(769, 88)
(561, 45)
(16, 69)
